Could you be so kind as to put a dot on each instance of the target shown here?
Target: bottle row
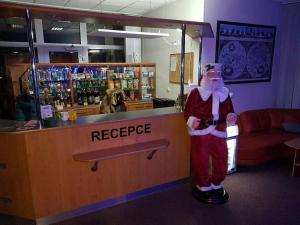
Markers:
(65, 86)
(61, 98)
(99, 73)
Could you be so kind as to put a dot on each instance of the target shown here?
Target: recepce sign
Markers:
(107, 134)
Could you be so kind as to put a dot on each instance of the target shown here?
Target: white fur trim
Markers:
(190, 121)
(204, 93)
(215, 105)
(223, 94)
(210, 130)
(209, 188)
(215, 187)
(205, 131)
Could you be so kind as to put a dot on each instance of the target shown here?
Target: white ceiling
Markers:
(130, 7)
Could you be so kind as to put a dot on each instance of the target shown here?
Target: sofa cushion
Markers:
(264, 119)
(277, 117)
(264, 145)
(249, 122)
(292, 127)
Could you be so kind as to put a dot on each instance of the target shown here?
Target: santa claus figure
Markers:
(208, 112)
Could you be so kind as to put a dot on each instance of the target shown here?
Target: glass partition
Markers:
(56, 31)
(13, 29)
(94, 68)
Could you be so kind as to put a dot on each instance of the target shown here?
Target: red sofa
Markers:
(262, 135)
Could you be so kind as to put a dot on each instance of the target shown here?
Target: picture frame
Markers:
(245, 51)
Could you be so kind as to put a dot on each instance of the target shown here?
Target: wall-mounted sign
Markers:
(120, 132)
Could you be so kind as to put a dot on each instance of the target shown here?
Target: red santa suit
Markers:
(209, 138)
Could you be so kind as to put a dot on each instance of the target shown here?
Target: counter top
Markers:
(19, 126)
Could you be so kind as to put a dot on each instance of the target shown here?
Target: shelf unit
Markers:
(136, 79)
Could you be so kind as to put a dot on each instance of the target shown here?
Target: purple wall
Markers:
(266, 12)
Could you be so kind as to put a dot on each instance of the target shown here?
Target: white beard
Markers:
(211, 85)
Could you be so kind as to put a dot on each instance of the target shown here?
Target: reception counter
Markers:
(50, 172)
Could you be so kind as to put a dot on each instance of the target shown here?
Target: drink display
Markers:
(69, 87)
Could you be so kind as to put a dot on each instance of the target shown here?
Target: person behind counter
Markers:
(114, 99)
(25, 105)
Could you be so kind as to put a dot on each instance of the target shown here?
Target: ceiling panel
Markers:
(109, 8)
(86, 4)
(133, 11)
(129, 7)
(52, 2)
(121, 3)
(145, 4)
(26, 1)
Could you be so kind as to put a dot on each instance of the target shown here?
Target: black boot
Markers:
(219, 196)
(203, 196)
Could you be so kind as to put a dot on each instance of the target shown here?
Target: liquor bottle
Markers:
(74, 84)
(85, 97)
(68, 97)
(79, 98)
(60, 74)
(49, 77)
(90, 96)
(78, 84)
(96, 96)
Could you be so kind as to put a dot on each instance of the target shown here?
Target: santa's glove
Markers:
(231, 119)
(193, 122)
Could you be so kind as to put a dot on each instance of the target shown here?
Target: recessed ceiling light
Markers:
(57, 28)
(94, 51)
(127, 34)
(64, 21)
(17, 26)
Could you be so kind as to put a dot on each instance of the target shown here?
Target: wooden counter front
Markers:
(41, 178)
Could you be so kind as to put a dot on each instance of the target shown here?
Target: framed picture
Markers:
(245, 51)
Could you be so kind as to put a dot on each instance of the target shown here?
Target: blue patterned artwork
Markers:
(245, 51)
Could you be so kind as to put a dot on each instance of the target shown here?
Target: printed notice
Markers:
(173, 63)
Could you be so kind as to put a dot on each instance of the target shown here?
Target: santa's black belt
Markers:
(211, 122)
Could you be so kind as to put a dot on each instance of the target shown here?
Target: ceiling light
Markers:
(64, 21)
(57, 28)
(126, 34)
(94, 51)
(17, 26)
